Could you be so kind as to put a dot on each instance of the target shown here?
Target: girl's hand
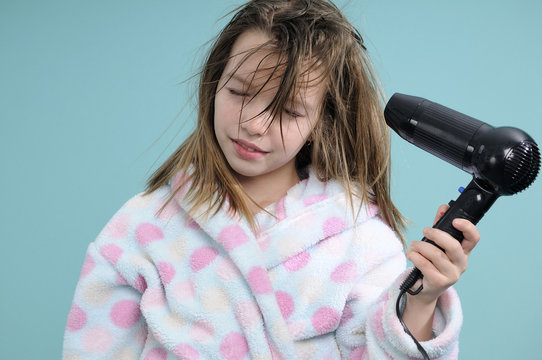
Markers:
(441, 270)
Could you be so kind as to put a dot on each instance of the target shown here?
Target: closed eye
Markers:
(292, 113)
(237, 93)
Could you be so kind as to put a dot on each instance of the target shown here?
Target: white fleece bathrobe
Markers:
(314, 283)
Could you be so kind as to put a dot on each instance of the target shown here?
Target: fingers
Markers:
(452, 248)
(470, 234)
(441, 210)
(449, 263)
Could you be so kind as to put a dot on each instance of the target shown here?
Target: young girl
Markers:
(270, 232)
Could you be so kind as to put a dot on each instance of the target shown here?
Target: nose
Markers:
(255, 123)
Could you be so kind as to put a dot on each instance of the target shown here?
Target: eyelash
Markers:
(286, 111)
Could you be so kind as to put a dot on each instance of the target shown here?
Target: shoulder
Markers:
(139, 212)
(376, 238)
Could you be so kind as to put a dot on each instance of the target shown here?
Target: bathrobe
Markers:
(315, 281)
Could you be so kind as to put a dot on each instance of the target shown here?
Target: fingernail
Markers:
(441, 213)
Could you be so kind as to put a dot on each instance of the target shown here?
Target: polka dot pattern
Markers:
(186, 352)
(111, 252)
(77, 318)
(203, 289)
(325, 319)
(297, 262)
(333, 226)
(125, 313)
(345, 273)
(147, 233)
(202, 257)
(232, 237)
(118, 227)
(166, 271)
(286, 303)
(156, 354)
(234, 347)
(259, 281)
(202, 331)
(88, 265)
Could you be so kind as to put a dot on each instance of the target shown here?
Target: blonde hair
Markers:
(350, 142)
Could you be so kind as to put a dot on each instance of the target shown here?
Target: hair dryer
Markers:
(503, 161)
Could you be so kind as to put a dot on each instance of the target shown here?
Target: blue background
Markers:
(95, 94)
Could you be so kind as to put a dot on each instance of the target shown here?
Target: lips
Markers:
(248, 150)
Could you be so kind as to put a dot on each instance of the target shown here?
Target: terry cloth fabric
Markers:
(316, 282)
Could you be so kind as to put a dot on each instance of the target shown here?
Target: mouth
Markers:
(247, 150)
(248, 146)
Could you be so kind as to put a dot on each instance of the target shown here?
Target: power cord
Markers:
(411, 279)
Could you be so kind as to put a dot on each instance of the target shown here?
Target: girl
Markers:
(270, 232)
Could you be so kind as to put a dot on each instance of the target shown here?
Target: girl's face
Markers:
(253, 147)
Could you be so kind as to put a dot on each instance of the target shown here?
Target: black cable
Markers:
(405, 288)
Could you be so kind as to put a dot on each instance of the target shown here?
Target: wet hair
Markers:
(350, 142)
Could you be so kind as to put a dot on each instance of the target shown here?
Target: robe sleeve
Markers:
(105, 319)
(369, 328)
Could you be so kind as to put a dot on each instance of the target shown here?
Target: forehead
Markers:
(256, 62)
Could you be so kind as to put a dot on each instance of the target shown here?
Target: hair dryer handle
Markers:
(471, 205)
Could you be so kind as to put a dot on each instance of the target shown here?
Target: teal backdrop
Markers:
(95, 94)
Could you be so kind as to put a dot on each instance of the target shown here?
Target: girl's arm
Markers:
(440, 269)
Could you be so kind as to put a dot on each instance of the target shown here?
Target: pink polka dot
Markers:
(140, 284)
(202, 257)
(125, 313)
(156, 354)
(186, 352)
(88, 266)
(259, 280)
(111, 252)
(325, 319)
(202, 331)
(147, 233)
(97, 340)
(231, 237)
(345, 273)
(247, 314)
(297, 262)
(333, 226)
(118, 226)
(77, 318)
(285, 302)
(314, 199)
(357, 353)
(234, 347)
(377, 325)
(184, 290)
(166, 271)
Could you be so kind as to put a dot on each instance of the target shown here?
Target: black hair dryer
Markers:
(503, 161)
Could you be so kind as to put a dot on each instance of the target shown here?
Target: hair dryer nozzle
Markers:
(507, 158)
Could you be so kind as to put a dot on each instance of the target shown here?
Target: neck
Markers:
(269, 188)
